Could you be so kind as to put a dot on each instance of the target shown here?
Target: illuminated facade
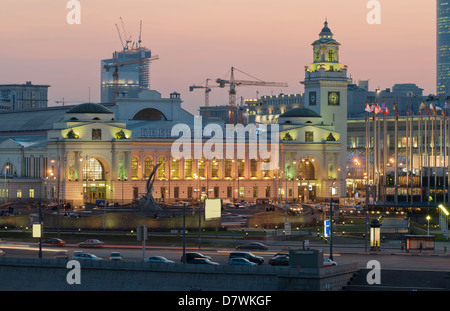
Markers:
(443, 48)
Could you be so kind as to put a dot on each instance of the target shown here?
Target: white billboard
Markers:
(213, 209)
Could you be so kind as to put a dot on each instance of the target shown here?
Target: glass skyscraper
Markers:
(443, 48)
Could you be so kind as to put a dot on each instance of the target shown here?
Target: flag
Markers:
(395, 107)
(432, 108)
(422, 106)
(377, 109)
(368, 108)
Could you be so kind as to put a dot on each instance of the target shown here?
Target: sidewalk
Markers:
(393, 247)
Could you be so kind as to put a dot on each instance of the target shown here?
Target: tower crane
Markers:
(207, 89)
(116, 64)
(233, 83)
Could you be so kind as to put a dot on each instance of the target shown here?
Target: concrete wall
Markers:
(23, 274)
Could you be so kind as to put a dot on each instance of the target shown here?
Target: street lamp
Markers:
(6, 168)
(428, 225)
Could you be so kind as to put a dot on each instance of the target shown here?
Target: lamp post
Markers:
(57, 194)
(331, 221)
(428, 225)
(6, 168)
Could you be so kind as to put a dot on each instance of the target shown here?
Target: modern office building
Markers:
(443, 48)
(16, 97)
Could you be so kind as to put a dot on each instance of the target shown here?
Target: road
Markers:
(395, 261)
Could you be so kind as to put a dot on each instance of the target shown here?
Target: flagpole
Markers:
(406, 153)
(396, 154)
(374, 155)
(419, 142)
(385, 154)
(411, 152)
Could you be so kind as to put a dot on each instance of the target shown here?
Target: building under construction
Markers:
(127, 72)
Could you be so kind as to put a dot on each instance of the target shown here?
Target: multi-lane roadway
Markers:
(388, 260)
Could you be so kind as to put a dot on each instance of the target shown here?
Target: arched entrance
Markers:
(306, 176)
(94, 182)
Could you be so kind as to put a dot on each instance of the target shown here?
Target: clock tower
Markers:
(326, 84)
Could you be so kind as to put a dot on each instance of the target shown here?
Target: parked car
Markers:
(279, 260)
(240, 262)
(85, 256)
(192, 256)
(115, 256)
(61, 255)
(327, 262)
(253, 246)
(158, 259)
(249, 256)
(203, 261)
(91, 243)
(54, 242)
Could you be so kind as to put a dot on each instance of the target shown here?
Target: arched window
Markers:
(134, 168)
(175, 169)
(306, 170)
(93, 170)
(241, 168)
(8, 169)
(150, 114)
(202, 168)
(148, 166)
(253, 168)
(228, 168)
(215, 168)
(162, 168)
(266, 168)
(331, 56)
(317, 55)
(187, 168)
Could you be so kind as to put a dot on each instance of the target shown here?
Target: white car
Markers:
(158, 259)
(327, 262)
(85, 256)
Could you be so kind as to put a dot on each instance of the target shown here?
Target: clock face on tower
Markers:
(333, 98)
(312, 98)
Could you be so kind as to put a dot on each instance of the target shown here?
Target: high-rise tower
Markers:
(443, 48)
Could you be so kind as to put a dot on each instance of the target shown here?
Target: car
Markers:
(327, 262)
(253, 246)
(91, 243)
(203, 261)
(193, 255)
(61, 255)
(279, 260)
(54, 241)
(158, 259)
(240, 262)
(249, 256)
(229, 205)
(2, 253)
(115, 256)
(85, 256)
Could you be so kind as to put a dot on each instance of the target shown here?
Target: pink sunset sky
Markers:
(199, 39)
